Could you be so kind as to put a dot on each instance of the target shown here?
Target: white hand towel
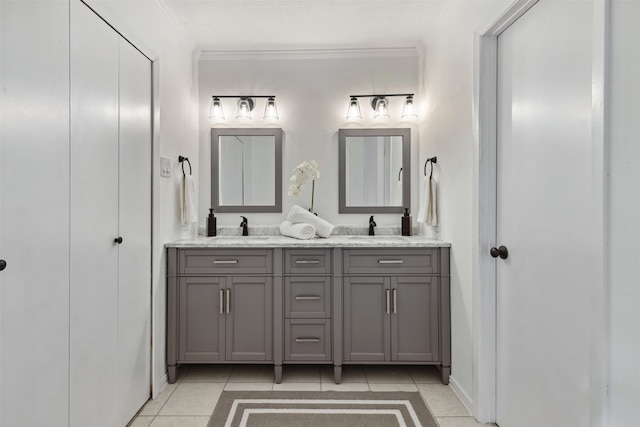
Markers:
(298, 214)
(188, 200)
(428, 212)
(300, 230)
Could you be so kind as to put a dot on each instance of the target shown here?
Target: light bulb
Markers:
(353, 111)
(244, 108)
(381, 110)
(270, 110)
(409, 109)
(216, 112)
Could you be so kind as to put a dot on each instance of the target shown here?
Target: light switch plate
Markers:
(165, 167)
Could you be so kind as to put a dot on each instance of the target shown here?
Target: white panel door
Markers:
(94, 221)
(134, 266)
(543, 217)
(34, 213)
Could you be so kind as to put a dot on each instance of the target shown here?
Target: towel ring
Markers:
(432, 160)
(182, 159)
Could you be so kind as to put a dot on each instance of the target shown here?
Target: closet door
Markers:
(94, 221)
(134, 265)
(34, 213)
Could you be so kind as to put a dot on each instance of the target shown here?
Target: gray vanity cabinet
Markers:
(220, 307)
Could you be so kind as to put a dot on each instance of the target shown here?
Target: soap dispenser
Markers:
(406, 223)
(211, 223)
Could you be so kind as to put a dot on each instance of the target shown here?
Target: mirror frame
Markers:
(405, 133)
(216, 133)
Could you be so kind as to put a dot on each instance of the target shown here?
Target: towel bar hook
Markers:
(432, 160)
(182, 159)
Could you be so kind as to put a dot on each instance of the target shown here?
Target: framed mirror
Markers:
(246, 169)
(374, 170)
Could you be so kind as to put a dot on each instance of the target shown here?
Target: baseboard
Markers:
(459, 391)
(164, 381)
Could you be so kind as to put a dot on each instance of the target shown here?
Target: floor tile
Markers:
(460, 422)
(424, 374)
(141, 421)
(180, 422)
(442, 401)
(350, 374)
(297, 386)
(153, 406)
(193, 399)
(387, 374)
(183, 370)
(208, 373)
(251, 374)
(248, 387)
(300, 374)
(393, 387)
(345, 387)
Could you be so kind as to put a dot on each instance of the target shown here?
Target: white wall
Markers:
(446, 98)
(312, 97)
(161, 38)
(624, 211)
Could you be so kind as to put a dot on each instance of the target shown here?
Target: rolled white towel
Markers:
(300, 230)
(298, 214)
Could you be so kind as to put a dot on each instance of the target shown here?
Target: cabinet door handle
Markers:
(395, 301)
(307, 261)
(307, 297)
(225, 261)
(307, 339)
(228, 301)
(390, 261)
(221, 301)
(388, 302)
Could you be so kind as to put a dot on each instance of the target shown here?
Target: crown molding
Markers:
(395, 52)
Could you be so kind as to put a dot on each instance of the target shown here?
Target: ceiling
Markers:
(241, 25)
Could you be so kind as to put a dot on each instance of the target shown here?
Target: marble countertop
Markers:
(334, 241)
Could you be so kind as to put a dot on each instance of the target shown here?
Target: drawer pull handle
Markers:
(395, 301)
(221, 301)
(388, 302)
(307, 339)
(390, 261)
(228, 301)
(307, 297)
(225, 261)
(307, 261)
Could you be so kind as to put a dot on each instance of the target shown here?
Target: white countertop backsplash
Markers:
(268, 236)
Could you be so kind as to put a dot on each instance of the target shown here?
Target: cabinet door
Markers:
(249, 307)
(414, 319)
(366, 319)
(202, 319)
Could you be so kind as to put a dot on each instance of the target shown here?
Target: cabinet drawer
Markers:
(307, 339)
(390, 261)
(307, 297)
(307, 261)
(225, 261)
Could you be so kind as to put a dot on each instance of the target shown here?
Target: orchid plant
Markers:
(301, 173)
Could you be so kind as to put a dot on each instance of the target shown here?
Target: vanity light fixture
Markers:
(245, 106)
(380, 106)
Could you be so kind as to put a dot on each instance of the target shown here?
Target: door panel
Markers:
(34, 213)
(366, 321)
(249, 318)
(415, 319)
(94, 220)
(201, 319)
(134, 261)
(543, 207)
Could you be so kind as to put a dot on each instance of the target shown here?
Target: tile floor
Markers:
(191, 400)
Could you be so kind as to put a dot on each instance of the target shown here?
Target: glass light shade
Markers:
(381, 110)
(216, 112)
(270, 110)
(409, 109)
(244, 109)
(353, 111)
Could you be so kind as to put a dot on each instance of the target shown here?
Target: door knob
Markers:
(117, 240)
(501, 252)
(3, 264)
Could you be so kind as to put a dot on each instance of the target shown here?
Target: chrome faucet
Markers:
(245, 226)
(372, 224)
